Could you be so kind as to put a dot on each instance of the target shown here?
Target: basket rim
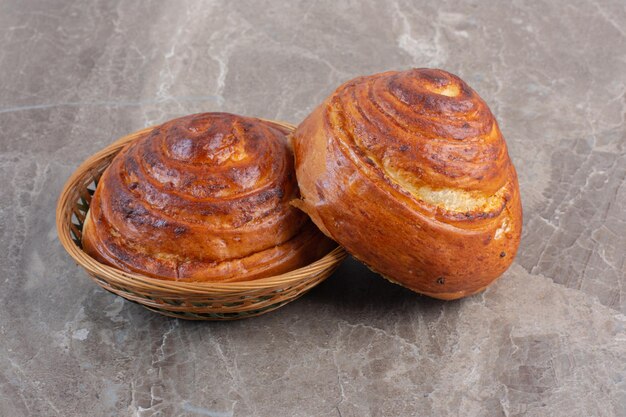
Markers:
(116, 275)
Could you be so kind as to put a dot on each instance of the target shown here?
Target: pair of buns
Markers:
(407, 170)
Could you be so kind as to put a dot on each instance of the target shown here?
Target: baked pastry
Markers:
(203, 198)
(410, 173)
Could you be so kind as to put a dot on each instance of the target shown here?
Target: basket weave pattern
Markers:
(187, 300)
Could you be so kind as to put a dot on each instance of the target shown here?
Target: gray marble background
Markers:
(548, 339)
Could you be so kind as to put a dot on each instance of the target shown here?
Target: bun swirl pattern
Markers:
(203, 198)
(410, 173)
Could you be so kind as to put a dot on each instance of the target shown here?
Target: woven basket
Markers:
(186, 300)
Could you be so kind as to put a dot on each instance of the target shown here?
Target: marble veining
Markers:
(548, 339)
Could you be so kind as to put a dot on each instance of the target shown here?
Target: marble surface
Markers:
(548, 339)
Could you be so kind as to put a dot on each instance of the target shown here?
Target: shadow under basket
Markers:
(186, 300)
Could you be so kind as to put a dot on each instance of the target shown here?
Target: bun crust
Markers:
(203, 198)
(410, 173)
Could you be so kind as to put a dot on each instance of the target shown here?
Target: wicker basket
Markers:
(194, 301)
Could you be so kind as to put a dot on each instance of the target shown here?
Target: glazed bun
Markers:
(203, 198)
(410, 173)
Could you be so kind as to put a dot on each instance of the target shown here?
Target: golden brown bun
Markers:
(410, 173)
(203, 198)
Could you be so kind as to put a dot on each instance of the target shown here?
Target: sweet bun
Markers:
(203, 198)
(410, 173)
